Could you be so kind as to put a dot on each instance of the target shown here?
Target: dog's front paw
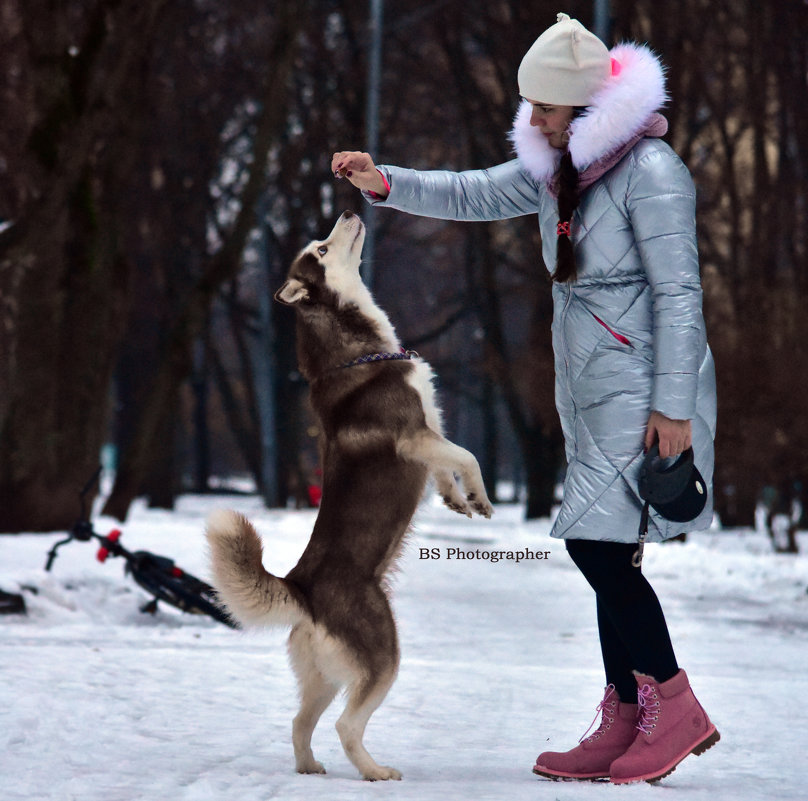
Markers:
(481, 505)
(457, 504)
(381, 773)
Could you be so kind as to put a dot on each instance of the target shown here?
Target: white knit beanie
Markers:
(565, 66)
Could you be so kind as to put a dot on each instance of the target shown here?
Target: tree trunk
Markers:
(66, 326)
(63, 278)
(489, 462)
(541, 457)
(201, 431)
(161, 485)
(245, 433)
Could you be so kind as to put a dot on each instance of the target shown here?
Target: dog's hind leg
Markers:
(442, 456)
(316, 693)
(363, 700)
(370, 651)
(315, 696)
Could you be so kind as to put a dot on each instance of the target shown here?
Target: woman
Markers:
(616, 209)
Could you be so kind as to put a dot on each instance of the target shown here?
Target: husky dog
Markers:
(381, 440)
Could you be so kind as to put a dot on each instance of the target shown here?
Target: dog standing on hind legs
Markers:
(381, 440)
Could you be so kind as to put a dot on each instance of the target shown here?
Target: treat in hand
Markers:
(360, 170)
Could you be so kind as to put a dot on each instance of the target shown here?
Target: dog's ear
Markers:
(293, 291)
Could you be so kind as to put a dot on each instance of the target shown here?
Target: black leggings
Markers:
(633, 632)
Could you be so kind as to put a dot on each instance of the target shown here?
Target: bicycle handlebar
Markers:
(52, 552)
(82, 530)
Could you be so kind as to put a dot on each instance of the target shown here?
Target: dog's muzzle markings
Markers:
(382, 438)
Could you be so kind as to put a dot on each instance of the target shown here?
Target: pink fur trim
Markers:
(618, 112)
(537, 155)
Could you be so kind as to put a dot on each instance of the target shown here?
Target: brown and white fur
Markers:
(382, 438)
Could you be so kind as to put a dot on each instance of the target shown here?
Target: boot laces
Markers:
(649, 708)
(606, 707)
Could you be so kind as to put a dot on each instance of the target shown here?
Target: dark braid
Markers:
(568, 200)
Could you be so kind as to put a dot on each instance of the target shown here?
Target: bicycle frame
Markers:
(157, 575)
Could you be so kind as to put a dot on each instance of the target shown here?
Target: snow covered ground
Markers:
(99, 702)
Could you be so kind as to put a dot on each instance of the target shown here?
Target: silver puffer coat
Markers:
(628, 334)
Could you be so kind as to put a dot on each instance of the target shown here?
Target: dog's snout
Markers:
(350, 219)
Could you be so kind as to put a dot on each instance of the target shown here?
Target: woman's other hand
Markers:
(675, 436)
(360, 170)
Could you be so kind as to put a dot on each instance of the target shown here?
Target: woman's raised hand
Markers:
(359, 169)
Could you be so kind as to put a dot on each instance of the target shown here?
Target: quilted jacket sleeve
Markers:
(661, 202)
(496, 193)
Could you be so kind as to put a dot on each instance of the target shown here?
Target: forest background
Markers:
(162, 162)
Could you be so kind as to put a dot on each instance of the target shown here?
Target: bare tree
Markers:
(73, 73)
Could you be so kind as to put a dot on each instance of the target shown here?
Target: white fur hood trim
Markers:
(617, 113)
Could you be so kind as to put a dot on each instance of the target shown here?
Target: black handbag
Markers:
(675, 490)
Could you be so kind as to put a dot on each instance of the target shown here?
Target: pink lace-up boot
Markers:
(591, 759)
(672, 725)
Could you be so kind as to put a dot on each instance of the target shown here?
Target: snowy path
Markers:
(500, 661)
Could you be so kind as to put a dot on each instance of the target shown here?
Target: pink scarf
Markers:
(655, 126)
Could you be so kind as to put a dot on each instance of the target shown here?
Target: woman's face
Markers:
(552, 121)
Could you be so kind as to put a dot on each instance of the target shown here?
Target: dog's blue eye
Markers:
(322, 250)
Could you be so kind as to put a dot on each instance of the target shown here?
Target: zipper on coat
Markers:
(619, 337)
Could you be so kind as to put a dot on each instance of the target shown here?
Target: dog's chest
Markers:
(421, 380)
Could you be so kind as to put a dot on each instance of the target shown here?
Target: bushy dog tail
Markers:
(252, 595)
